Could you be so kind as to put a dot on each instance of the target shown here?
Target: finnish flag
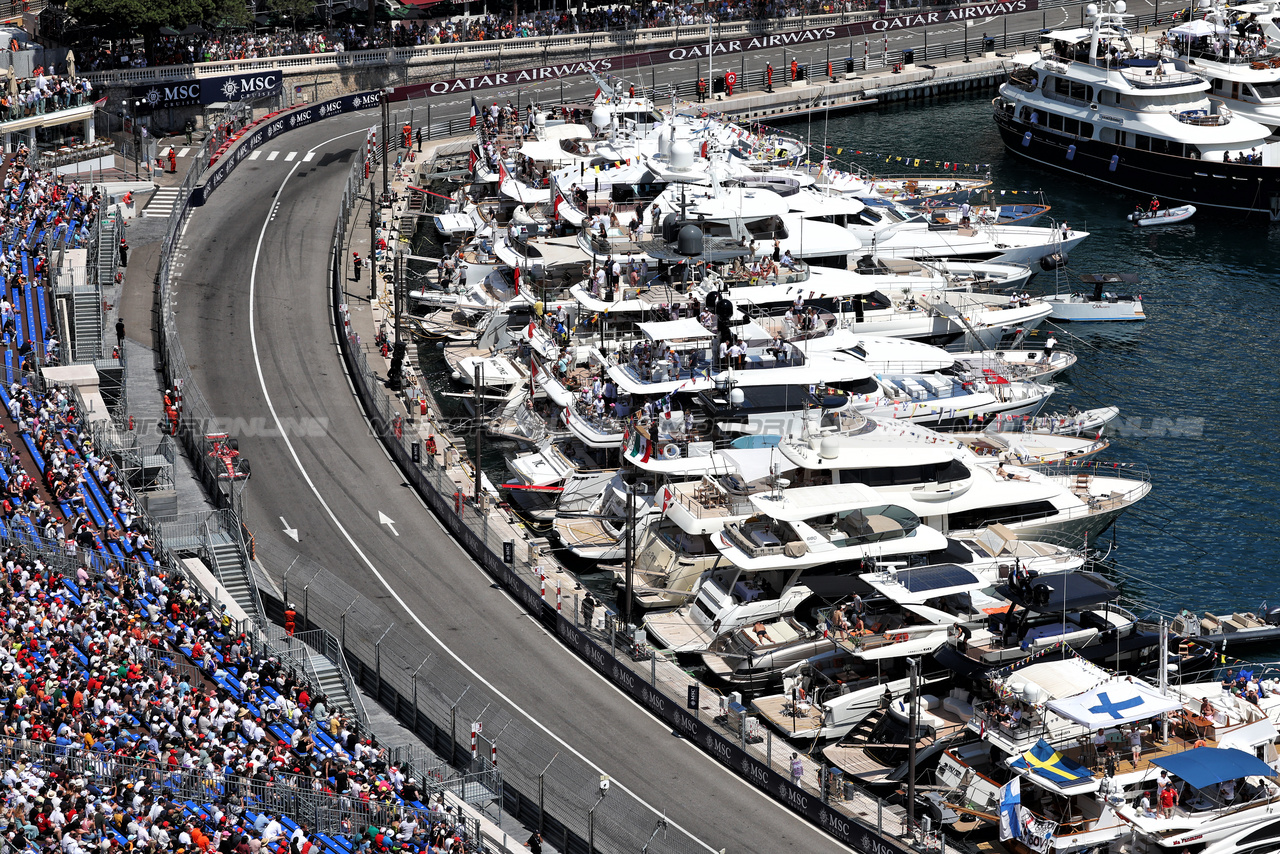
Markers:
(1011, 810)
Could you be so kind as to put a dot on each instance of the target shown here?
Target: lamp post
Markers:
(132, 120)
(138, 127)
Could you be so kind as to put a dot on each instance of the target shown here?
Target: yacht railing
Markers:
(707, 500)
(1098, 468)
(1157, 78)
(1203, 118)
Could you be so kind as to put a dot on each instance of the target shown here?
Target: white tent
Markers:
(674, 330)
(1197, 28)
(1114, 702)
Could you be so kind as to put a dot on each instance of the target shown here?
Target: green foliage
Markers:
(230, 13)
(292, 10)
(140, 16)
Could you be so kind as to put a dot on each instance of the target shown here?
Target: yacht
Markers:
(1084, 796)
(1092, 103)
(1096, 303)
(954, 490)
(828, 533)
(889, 229)
(1235, 48)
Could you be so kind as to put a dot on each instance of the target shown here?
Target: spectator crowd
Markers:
(134, 717)
(102, 55)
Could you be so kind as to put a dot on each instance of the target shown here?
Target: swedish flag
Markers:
(1044, 760)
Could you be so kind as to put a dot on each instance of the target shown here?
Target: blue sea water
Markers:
(1196, 383)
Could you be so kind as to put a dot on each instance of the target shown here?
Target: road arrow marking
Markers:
(289, 532)
(384, 519)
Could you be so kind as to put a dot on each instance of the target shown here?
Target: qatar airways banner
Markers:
(726, 47)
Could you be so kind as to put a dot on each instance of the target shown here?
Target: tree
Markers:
(292, 10)
(230, 13)
(130, 17)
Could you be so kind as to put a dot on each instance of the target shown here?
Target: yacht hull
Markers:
(1182, 179)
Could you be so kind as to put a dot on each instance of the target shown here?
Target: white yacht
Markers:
(890, 230)
(1235, 48)
(1076, 807)
(1092, 102)
(954, 490)
(829, 531)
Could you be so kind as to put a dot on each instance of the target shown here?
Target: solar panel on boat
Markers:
(925, 578)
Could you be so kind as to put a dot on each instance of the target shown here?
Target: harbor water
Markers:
(1195, 385)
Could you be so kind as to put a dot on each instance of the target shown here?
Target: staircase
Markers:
(86, 328)
(230, 569)
(860, 733)
(107, 253)
(329, 680)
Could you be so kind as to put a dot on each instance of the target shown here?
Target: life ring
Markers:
(671, 452)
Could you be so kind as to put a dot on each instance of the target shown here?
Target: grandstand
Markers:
(136, 714)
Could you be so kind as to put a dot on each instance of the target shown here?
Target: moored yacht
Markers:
(1235, 48)
(1091, 102)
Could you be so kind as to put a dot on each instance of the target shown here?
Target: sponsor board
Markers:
(209, 90)
(283, 123)
(725, 47)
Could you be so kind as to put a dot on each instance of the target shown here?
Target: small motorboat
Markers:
(1164, 216)
(1101, 304)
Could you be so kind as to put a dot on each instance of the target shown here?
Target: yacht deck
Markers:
(777, 711)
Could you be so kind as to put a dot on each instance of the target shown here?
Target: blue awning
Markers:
(1205, 766)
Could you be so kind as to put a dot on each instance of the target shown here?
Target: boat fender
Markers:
(671, 452)
(1026, 139)
(1071, 152)
(1115, 161)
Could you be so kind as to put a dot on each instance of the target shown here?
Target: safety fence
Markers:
(299, 796)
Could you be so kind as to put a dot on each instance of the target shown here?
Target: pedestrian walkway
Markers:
(288, 157)
(162, 202)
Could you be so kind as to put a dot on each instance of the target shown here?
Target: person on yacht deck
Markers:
(1008, 475)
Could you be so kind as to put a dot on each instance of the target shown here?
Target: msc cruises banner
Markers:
(209, 90)
(272, 128)
(726, 47)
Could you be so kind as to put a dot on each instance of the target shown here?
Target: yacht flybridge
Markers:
(1236, 49)
(1095, 102)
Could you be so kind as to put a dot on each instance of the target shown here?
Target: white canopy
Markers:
(800, 503)
(1197, 28)
(1116, 701)
(755, 463)
(672, 330)
(540, 150)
